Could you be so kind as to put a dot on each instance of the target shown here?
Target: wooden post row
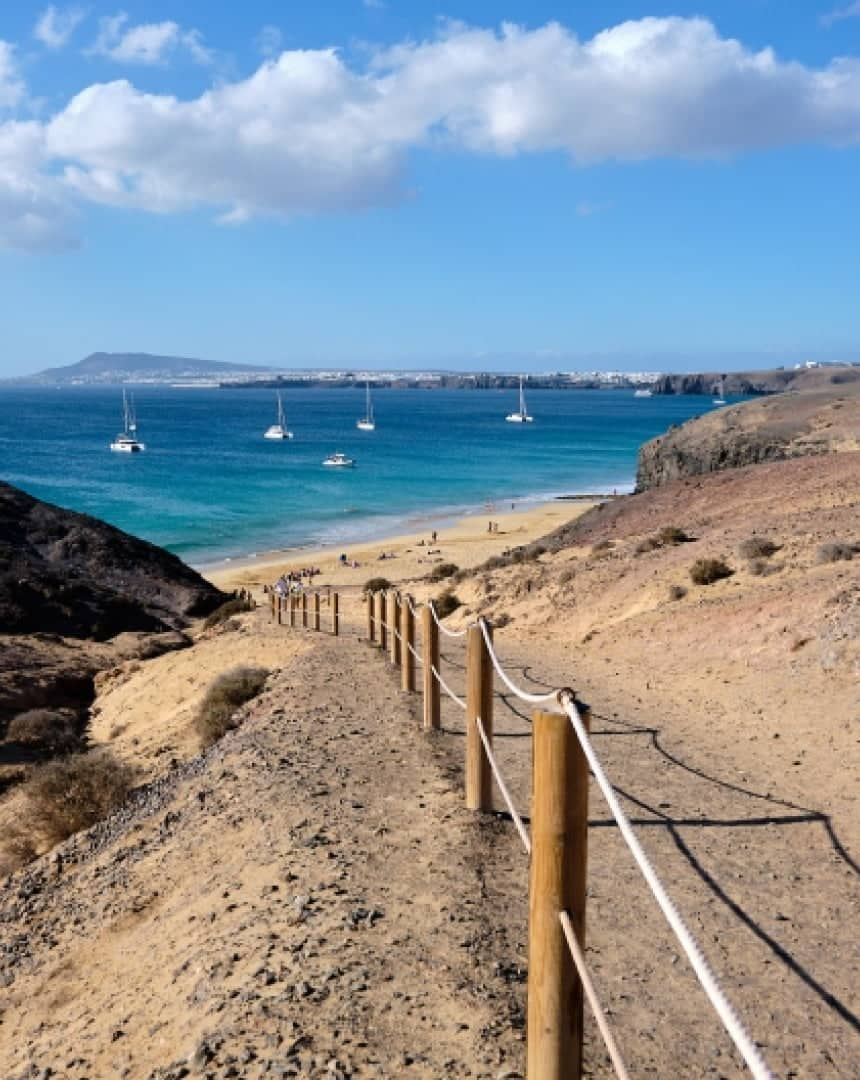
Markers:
(394, 623)
(292, 607)
(279, 604)
(335, 614)
(557, 875)
(305, 610)
(430, 656)
(316, 611)
(382, 619)
(407, 660)
(479, 702)
(274, 601)
(371, 622)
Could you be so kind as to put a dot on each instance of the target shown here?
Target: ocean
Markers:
(210, 488)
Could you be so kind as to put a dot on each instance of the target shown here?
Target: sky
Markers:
(502, 185)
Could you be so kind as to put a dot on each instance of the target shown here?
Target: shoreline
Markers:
(398, 526)
(464, 539)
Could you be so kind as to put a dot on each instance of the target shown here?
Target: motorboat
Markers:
(339, 461)
(127, 442)
(367, 423)
(521, 416)
(279, 430)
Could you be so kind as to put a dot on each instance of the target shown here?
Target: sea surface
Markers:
(209, 487)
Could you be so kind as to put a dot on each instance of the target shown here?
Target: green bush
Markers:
(62, 797)
(43, 729)
(757, 547)
(446, 603)
(227, 610)
(442, 571)
(707, 571)
(225, 695)
(377, 584)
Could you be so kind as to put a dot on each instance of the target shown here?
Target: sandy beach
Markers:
(467, 543)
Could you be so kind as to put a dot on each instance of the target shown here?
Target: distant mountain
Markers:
(118, 367)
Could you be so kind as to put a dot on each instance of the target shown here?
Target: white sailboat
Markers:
(720, 399)
(521, 416)
(127, 442)
(279, 430)
(339, 460)
(367, 423)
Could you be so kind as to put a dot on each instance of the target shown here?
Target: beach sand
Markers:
(467, 543)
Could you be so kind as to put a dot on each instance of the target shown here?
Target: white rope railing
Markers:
(503, 788)
(415, 654)
(447, 688)
(593, 1000)
(714, 992)
(442, 626)
(532, 699)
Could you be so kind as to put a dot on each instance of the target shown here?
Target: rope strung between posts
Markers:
(588, 987)
(503, 787)
(414, 653)
(447, 688)
(713, 991)
(442, 626)
(533, 699)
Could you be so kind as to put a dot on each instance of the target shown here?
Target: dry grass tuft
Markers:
(707, 571)
(45, 730)
(442, 571)
(377, 584)
(836, 551)
(225, 695)
(227, 610)
(446, 603)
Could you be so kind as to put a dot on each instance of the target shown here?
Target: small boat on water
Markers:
(339, 461)
(367, 423)
(642, 393)
(521, 416)
(127, 442)
(279, 430)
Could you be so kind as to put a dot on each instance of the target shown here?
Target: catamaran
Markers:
(279, 430)
(367, 423)
(521, 416)
(127, 442)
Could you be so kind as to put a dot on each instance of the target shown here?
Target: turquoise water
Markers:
(209, 487)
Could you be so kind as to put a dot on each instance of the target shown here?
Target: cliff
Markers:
(774, 381)
(815, 421)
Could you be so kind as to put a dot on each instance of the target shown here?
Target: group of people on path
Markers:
(295, 580)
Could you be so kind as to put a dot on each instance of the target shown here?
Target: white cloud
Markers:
(35, 213)
(54, 27)
(146, 43)
(269, 40)
(12, 88)
(851, 11)
(307, 132)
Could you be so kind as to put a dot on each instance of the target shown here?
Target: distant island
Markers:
(104, 367)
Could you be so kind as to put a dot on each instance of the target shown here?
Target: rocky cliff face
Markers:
(775, 428)
(756, 382)
(70, 574)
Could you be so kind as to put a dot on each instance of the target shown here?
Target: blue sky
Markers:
(511, 185)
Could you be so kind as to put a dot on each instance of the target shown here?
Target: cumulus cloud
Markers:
(308, 132)
(146, 43)
(54, 27)
(12, 88)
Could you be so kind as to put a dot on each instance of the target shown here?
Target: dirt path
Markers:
(305, 899)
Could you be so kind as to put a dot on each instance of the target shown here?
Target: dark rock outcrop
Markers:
(784, 426)
(775, 381)
(66, 573)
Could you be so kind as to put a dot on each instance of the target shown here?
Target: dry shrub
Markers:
(677, 592)
(442, 571)
(446, 603)
(227, 610)
(757, 547)
(836, 551)
(707, 571)
(224, 697)
(377, 584)
(44, 729)
(762, 568)
(668, 536)
(601, 549)
(568, 574)
(62, 797)
(496, 562)
(500, 620)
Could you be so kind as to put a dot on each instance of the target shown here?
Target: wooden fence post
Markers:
(479, 702)
(335, 613)
(304, 609)
(279, 605)
(291, 604)
(430, 650)
(382, 618)
(393, 623)
(316, 611)
(274, 596)
(371, 622)
(557, 875)
(407, 660)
